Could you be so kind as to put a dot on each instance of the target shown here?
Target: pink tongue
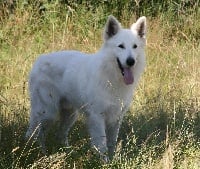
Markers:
(128, 76)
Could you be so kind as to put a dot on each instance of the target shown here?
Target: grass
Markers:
(162, 128)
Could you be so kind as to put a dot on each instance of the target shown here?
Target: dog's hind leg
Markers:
(34, 122)
(43, 115)
(40, 123)
(68, 116)
(37, 126)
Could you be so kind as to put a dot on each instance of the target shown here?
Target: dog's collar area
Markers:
(120, 66)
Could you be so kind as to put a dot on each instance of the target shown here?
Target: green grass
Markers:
(162, 128)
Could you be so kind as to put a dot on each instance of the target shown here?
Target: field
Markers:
(162, 128)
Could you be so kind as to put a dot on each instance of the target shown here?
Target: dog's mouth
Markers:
(126, 73)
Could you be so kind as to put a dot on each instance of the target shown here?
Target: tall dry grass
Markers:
(162, 128)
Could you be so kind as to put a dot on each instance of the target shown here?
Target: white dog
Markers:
(101, 85)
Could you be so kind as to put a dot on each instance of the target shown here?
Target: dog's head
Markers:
(125, 45)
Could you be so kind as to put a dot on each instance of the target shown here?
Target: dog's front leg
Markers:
(96, 127)
(112, 130)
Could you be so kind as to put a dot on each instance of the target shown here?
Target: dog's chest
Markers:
(117, 97)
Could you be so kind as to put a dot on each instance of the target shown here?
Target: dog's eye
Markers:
(134, 46)
(121, 46)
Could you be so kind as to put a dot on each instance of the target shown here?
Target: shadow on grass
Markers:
(155, 126)
(143, 128)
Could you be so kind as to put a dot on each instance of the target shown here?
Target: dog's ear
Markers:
(112, 27)
(140, 27)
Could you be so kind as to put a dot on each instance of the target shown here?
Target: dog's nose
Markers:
(130, 61)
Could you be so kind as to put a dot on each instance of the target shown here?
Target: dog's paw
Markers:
(104, 158)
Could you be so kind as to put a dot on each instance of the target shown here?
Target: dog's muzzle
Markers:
(127, 71)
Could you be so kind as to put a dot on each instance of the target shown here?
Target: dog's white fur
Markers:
(63, 82)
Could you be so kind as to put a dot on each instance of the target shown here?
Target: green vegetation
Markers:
(162, 128)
